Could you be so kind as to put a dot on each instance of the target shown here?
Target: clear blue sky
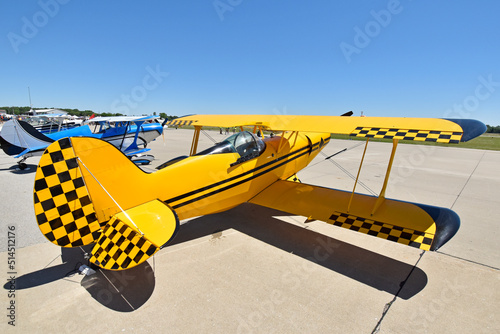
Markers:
(417, 58)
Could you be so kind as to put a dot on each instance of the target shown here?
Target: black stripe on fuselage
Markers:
(314, 148)
(178, 198)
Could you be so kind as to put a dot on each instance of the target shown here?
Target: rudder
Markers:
(63, 208)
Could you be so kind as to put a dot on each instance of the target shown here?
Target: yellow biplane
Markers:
(80, 196)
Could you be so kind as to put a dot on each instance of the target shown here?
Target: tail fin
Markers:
(63, 209)
(74, 208)
(19, 136)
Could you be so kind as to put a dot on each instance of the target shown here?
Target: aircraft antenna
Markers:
(29, 95)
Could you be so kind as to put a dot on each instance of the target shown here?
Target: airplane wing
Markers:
(403, 128)
(121, 119)
(417, 225)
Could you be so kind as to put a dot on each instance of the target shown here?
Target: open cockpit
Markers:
(246, 144)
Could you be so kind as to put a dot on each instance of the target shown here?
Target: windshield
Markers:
(244, 143)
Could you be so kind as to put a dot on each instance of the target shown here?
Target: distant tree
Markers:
(15, 110)
(492, 129)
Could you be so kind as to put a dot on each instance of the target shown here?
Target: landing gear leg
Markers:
(22, 164)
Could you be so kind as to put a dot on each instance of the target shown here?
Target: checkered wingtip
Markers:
(406, 236)
(408, 134)
(176, 122)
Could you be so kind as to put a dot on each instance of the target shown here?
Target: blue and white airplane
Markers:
(129, 134)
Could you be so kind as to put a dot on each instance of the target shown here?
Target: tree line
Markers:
(74, 112)
(493, 129)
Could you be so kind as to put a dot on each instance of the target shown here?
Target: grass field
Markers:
(488, 141)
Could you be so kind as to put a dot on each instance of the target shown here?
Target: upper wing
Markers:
(420, 129)
(422, 226)
(121, 119)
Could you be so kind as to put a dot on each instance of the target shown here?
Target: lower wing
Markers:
(417, 225)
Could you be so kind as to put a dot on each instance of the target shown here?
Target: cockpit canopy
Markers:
(246, 144)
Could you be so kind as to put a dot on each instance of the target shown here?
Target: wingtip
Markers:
(447, 224)
(472, 128)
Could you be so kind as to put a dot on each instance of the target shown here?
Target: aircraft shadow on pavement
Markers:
(72, 258)
(367, 267)
(122, 291)
(14, 169)
(128, 290)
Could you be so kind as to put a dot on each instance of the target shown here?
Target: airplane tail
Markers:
(80, 198)
(8, 148)
(17, 136)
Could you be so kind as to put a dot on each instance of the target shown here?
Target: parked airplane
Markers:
(52, 122)
(129, 134)
(86, 191)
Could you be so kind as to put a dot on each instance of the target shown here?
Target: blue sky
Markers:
(417, 58)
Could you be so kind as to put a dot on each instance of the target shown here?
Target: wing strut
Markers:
(124, 135)
(381, 197)
(196, 137)
(259, 129)
(357, 177)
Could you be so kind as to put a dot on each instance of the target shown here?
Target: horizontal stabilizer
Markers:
(131, 237)
(415, 225)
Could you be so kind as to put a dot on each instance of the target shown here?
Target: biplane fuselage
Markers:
(213, 185)
(204, 184)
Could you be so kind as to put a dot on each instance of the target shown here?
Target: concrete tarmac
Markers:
(256, 270)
